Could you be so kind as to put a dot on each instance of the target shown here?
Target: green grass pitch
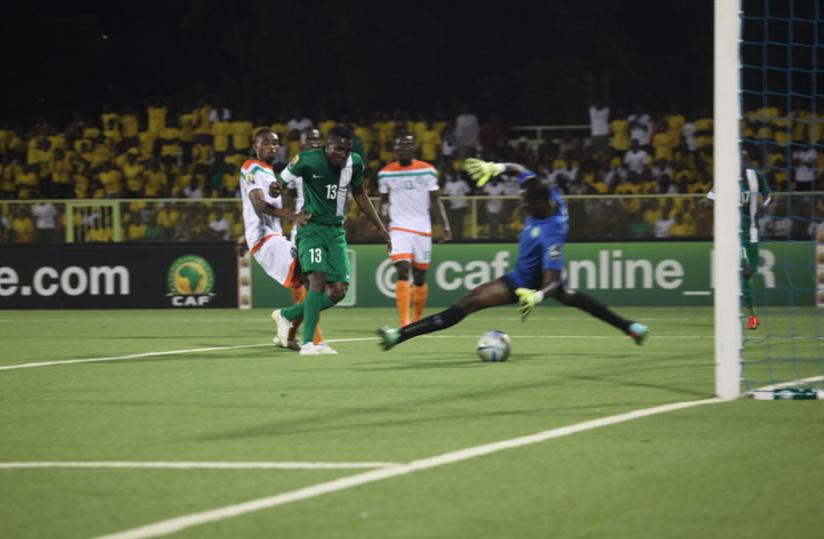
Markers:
(744, 468)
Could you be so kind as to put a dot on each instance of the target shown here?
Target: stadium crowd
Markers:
(195, 152)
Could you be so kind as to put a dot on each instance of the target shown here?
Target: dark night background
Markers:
(533, 62)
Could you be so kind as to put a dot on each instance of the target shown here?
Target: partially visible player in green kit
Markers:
(752, 184)
(322, 178)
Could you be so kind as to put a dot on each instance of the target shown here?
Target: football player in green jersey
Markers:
(752, 184)
(322, 178)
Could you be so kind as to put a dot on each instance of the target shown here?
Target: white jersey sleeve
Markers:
(258, 175)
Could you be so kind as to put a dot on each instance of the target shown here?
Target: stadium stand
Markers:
(195, 153)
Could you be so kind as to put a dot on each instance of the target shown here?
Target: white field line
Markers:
(200, 465)
(353, 339)
(791, 383)
(165, 527)
(129, 356)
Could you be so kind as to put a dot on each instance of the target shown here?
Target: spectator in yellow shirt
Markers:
(188, 124)
(133, 174)
(680, 227)
(241, 133)
(27, 182)
(169, 142)
(22, 225)
(430, 142)
(62, 169)
(111, 180)
(619, 127)
(221, 130)
(675, 121)
(81, 184)
(662, 142)
(325, 124)
(202, 153)
(156, 111)
(156, 182)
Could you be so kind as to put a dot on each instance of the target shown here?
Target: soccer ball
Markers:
(494, 345)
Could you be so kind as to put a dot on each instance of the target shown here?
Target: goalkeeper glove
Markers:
(481, 171)
(527, 300)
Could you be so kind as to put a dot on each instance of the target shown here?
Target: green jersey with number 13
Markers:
(322, 188)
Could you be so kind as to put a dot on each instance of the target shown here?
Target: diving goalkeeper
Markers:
(537, 275)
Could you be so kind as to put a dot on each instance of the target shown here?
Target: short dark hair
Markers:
(260, 133)
(341, 131)
(535, 189)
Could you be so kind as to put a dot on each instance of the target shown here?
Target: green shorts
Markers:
(323, 248)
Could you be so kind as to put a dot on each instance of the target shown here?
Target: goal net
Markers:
(781, 132)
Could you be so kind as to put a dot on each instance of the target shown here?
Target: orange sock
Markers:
(402, 300)
(298, 294)
(419, 294)
(318, 338)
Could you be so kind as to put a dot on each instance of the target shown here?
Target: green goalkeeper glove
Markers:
(481, 171)
(527, 300)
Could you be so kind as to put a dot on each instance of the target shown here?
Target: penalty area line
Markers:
(172, 525)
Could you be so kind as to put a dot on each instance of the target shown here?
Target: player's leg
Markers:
(313, 252)
(422, 253)
(489, 294)
(420, 291)
(277, 260)
(403, 268)
(595, 308)
(401, 255)
(749, 267)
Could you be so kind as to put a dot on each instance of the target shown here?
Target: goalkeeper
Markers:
(537, 275)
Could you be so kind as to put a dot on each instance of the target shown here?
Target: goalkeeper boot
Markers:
(753, 322)
(283, 326)
(389, 337)
(638, 332)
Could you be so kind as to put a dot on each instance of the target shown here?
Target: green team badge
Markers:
(190, 275)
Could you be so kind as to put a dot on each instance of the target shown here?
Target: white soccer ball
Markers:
(494, 345)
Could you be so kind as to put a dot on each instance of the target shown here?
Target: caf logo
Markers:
(190, 281)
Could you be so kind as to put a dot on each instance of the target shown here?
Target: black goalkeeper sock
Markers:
(599, 310)
(436, 322)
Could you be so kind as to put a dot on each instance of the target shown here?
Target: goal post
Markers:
(726, 172)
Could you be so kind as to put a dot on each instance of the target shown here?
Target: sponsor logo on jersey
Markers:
(190, 280)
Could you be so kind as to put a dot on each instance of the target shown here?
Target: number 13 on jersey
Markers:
(316, 255)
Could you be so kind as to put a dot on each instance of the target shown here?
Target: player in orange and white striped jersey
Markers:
(409, 188)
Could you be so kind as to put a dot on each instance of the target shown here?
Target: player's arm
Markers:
(366, 206)
(764, 189)
(440, 214)
(260, 204)
(528, 298)
(481, 171)
(383, 206)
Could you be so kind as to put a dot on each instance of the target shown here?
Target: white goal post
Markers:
(727, 166)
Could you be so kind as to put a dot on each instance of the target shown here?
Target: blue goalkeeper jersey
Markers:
(541, 244)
